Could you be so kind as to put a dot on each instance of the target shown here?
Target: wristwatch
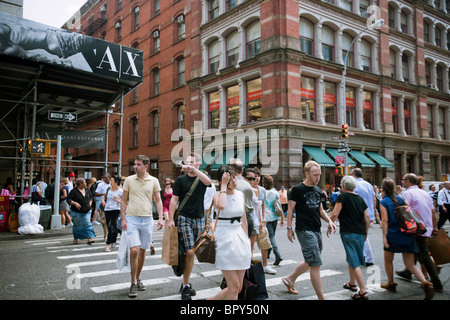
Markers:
(289, 228)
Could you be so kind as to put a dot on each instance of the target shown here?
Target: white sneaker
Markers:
(269, 270)
(96, 222)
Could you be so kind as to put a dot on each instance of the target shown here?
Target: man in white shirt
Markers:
(443, 202)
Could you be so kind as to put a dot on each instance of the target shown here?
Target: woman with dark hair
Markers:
(80, 201)
(111, 203)
(233, 252)
(396, 241)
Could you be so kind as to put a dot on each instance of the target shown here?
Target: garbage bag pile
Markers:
(29, 215)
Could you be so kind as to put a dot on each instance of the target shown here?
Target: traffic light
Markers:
(339, 171)
(39, 147)
(345, 131)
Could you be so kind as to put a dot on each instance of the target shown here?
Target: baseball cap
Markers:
(71, 174)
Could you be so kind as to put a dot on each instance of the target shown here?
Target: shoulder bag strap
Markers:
(186, 197)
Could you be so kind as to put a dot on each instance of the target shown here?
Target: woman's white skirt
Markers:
(233, 250)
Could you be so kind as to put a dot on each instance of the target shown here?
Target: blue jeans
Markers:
(272, 227)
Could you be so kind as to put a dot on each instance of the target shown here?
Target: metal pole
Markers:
(120, 136)
(56, 218)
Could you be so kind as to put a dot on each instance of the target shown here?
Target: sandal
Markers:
(351, 287)
(290, 287)
(90, 241)
(360, 296)
(108, 249)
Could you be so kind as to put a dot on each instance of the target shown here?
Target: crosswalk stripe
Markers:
(201, 294)
(345, 294)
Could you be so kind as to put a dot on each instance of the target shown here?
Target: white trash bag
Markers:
(29, 215)
(123, 255)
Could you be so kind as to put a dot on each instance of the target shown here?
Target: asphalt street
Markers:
(52, 268)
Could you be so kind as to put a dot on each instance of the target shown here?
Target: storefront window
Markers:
(233, 105)
(329, 102)
(214, 106)
(254, 101)
(308, 101)
(367, 104)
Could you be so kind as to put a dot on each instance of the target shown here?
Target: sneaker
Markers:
(133, 291)
(140, 286)
(186, 293)
(96, 222)
(69, 225)
(269, 270)
(192, 291)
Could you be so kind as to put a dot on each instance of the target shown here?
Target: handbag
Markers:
(249, 287)
(439, 247)
(278, 207)
(205, 244)
(409, 220)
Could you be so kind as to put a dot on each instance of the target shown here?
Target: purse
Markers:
(439, 247)
(409, 220)
(278, 207)
(205, 244)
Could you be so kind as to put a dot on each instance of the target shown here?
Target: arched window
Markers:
(405, 67)
(346, 50)
(306, 36)
(155, 126)
(213, 7)
(155, 82)
(134, 132)
(426, 31)
(438, 36)
(156, 41)
(136, 18)
(181, 72)
(328, 43)
(253, 34)
(232, 48)
(366, 55)
(213, 56)
(440, 77)
(391, 16)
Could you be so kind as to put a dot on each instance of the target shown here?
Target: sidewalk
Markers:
(8, 236)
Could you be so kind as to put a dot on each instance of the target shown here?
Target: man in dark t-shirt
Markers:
(306, 199)
(191, 219)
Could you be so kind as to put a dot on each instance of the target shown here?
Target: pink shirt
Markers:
(421, 202)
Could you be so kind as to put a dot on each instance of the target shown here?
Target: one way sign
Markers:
(62, 116)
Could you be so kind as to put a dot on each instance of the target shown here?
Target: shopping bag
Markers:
(179, 268)
(123, 254)
(254, 285)
(169, 253)
(439, 247)
(263, 240)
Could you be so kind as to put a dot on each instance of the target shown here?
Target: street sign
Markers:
(62, 116)
(340, 159)
(344, 150)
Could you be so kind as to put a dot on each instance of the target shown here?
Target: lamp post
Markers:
(375, 24)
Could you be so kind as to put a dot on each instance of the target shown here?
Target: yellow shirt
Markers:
(140, 195)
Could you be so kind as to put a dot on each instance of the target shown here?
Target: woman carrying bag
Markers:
(233, 252)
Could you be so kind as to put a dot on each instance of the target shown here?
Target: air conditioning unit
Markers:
(154, 166)
(180, 18)
(103, 8)
(118, 25)
(136, 9)
(156, 34)
(433, 87)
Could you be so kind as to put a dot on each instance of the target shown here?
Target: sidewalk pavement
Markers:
(9, 236)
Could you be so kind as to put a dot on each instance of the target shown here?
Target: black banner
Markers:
(35, 41)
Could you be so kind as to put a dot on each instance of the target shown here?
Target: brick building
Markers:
(278, 64)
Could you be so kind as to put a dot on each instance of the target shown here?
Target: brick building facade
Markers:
(278, 64)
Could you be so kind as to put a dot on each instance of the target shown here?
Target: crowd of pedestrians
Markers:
(245, 203)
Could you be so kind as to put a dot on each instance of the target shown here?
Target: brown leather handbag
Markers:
(205, 244)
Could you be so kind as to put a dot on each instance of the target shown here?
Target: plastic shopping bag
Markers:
(29, 219)
(123, 255)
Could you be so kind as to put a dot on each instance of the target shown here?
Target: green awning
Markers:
(319, 156)
(248, 156)
(213, 163)
(334, 153)
(382, 161)
(362, 159)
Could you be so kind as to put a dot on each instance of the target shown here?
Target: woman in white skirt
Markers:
(233, 252)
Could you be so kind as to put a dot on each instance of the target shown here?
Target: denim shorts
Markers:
(354, 248)
(311, 243)
(139, 231)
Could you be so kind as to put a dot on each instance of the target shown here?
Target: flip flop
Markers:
(287, 283)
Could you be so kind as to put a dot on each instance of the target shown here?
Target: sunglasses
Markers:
(250, 178)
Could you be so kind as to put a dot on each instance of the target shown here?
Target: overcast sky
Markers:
(51, 12)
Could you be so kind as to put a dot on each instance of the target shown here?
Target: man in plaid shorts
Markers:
(191, 218)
